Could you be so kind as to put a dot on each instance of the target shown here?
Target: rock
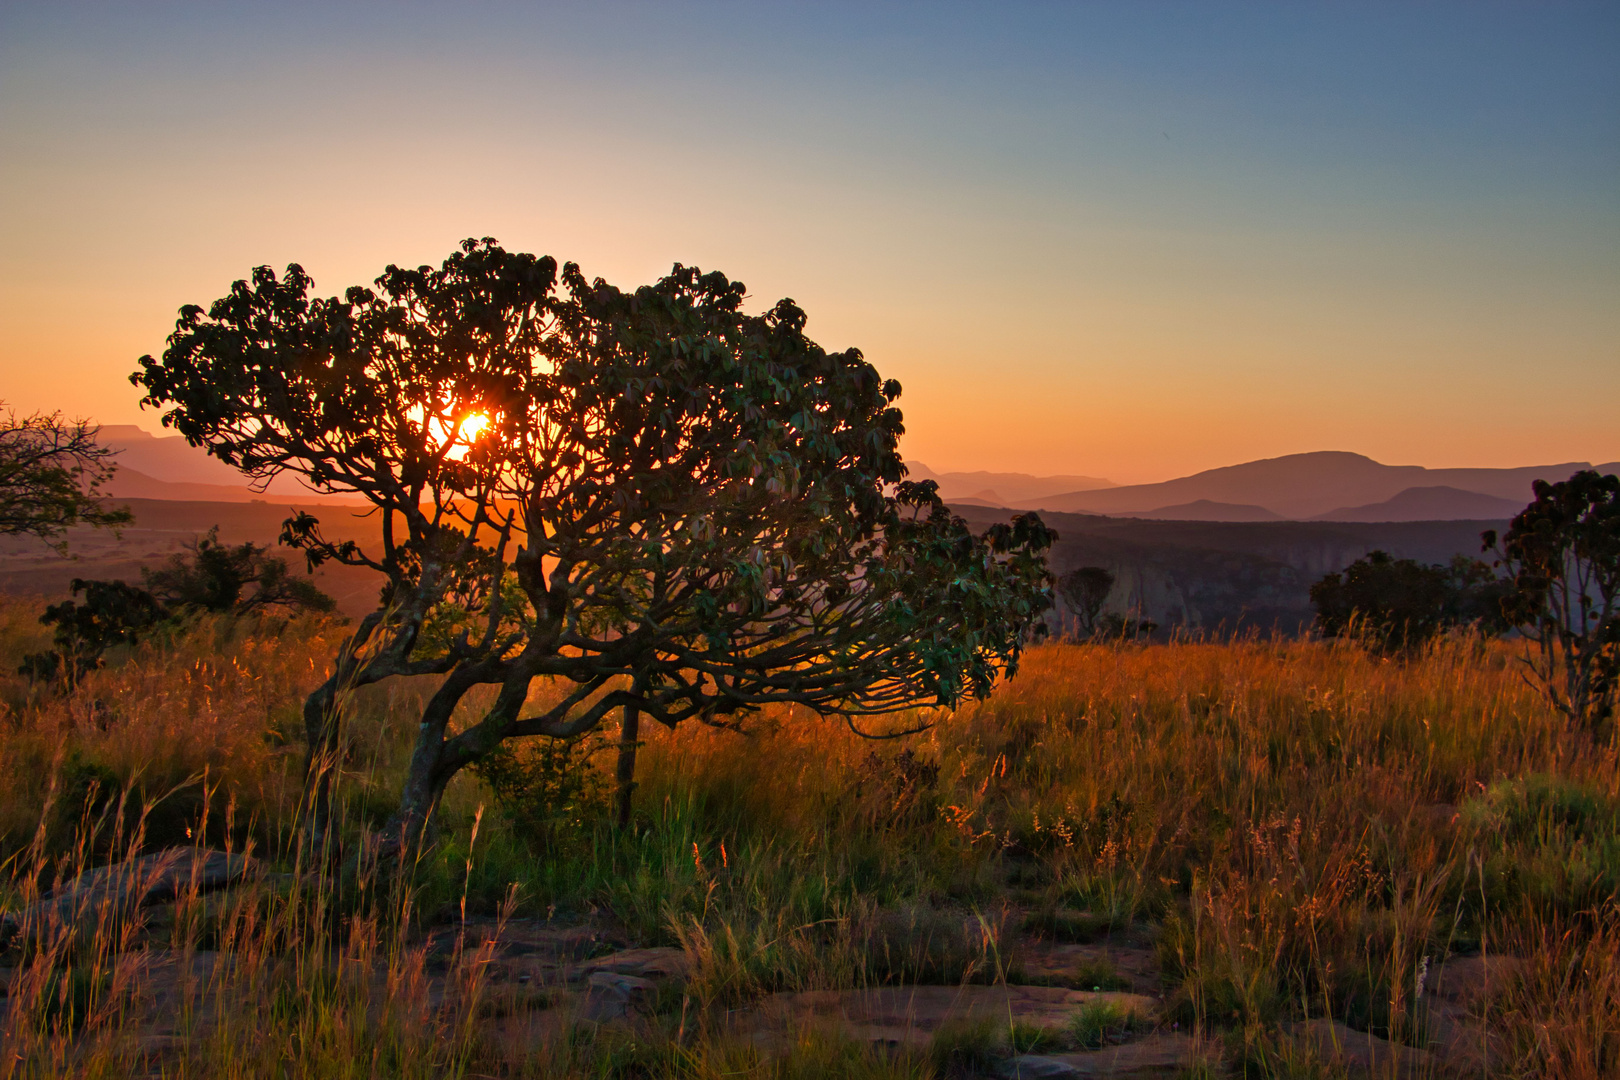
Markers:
(909, 1015)
(660, 963)
(609, 996)
(1332, 1043)
(1032, 1066)
(1468, 979)
(1046, 964)
(121, 888)
(1161, 1054)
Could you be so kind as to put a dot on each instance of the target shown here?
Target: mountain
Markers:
(130, 483)
(1431, 504)
(1302, 486)
(1001, 489)
(1205, 510)
(167, 467)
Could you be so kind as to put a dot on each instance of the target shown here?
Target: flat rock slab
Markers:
(909, 1015)
(1330, 1042)
(525, 937)
(123, 887)
(659, 963)
(523, 950)
(610, 997)
(1163, 1054)
(1062, 965)
(1470, 979)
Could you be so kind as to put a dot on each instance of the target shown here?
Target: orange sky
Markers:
(1084, 241)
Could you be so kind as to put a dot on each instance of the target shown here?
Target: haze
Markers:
(1130, 241)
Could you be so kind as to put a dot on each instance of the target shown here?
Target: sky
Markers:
(1129, 240)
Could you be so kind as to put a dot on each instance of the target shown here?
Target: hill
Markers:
(167, 467)
(1205, 510)
(1430, 504)
(1305, 486)
(1002, 489)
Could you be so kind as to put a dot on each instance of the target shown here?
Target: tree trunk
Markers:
(424, 783)
(628, 732)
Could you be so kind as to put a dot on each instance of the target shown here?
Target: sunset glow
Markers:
(1119, 240)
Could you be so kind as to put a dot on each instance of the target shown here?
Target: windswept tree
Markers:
(51, 474)
(1562, 553)
(675, 508)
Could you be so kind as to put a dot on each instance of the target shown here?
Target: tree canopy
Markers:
(51, 474)
(666, 502)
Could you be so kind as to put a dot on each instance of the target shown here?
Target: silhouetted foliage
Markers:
(1086, 590)
(51, 473)
(1562, 554)
(213, 576)
(672, 505)
(1398, 604)
(209, 577)
(112, 613)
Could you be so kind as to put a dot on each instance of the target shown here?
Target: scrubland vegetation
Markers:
(1297, 829)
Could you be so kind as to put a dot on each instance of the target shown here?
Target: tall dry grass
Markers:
(1304, 827)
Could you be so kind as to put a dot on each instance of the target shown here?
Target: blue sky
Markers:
(1129, 240)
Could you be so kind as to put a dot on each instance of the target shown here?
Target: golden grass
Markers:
(1304, 827)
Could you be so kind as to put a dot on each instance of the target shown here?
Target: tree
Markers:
(1400, 604)
(112, 613)
(212, 576)
(1086, 590)
(209, 577)
(51, 474)
(678, 509)
(1562, 554)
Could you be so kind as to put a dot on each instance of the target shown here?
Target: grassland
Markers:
(1290, 829)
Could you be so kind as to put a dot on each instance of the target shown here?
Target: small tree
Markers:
(677, 509)
(1562, 553)
(112, 613)
(51, 474)
(1400, 604)
(1086, 591)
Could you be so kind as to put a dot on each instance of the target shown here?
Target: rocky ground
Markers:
(1067, 1010)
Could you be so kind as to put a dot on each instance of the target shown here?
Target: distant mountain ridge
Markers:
(1206, 510)
(169, 468)
(1302, 487)
(1001, 489)
(1327, 485)
(1431, 504)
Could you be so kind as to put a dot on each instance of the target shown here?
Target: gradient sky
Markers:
(1131, 240)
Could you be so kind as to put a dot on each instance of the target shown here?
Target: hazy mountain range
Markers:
(167, 467)
(1219, 550)
(1329, 485)
(1324, 486)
